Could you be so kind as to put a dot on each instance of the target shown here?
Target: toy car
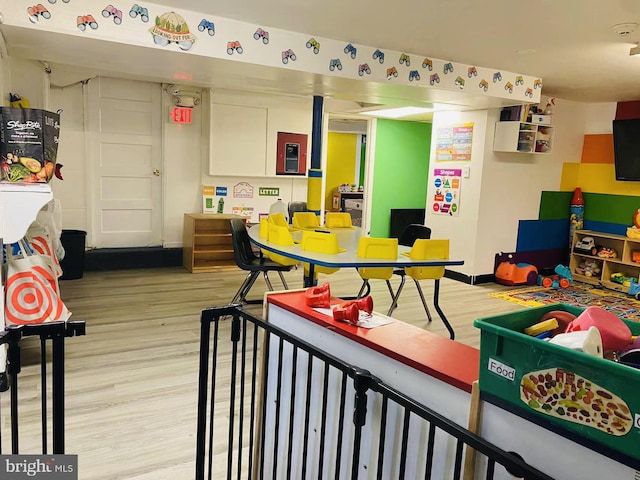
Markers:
(448, 67)
(435, 78)
(262, 34)
(427, 63)
(554, 281)
(459, 82)
(516, 273)
(497, 77)
(484, 84)
(606, 252)
(312, 42)
(472, 72)
(586, 245)
(207, 25)
(413, 74)
(378, 55)
(406, 59)
(392, 72)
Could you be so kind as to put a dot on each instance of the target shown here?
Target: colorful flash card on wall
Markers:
(243, 190)
(208, 199)
(446, 199)
(453, 142)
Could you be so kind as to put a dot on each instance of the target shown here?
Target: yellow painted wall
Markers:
(596, 172)
(341, 162)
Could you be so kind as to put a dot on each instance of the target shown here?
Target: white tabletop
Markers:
(347, 239)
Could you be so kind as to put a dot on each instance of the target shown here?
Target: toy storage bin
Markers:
(598, 401)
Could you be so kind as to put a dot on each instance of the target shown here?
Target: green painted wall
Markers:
(401, 170)
(598, 207)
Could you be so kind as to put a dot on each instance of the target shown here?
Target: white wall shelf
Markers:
(523, 137)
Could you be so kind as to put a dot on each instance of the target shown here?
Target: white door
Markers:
(125, 148)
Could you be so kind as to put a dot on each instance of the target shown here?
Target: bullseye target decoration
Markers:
(30, 297)
(42, 245)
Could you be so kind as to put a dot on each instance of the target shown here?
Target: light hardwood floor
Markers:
(132, 380)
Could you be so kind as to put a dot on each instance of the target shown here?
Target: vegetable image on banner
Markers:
(446, 199)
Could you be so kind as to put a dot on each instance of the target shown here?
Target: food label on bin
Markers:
(501, 369)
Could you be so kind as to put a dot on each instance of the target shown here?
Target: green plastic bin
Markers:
(593, 401)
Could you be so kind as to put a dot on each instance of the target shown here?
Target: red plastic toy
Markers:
(516, 273)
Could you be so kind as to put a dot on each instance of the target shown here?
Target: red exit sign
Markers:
(181, 115)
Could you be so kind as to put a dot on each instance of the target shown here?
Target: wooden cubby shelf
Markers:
(207, 245)
(623, 263)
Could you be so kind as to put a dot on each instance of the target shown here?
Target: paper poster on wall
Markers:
(243, 211)
(446, 199)
(453, 142)
(209, 204)
(243, 190)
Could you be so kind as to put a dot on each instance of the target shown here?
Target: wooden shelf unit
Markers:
(206, 242)
(623, 246)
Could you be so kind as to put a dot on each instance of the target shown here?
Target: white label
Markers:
(636, 420)
(501, 369)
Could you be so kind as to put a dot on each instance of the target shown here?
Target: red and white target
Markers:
(43, 247)
(30, 298)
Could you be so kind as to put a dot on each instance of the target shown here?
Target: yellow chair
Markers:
(383, 249)
(305, 220)
(424, 249)
(281, 236)
(278, 219)
(337, 220)
(264, 234)
(321, 243)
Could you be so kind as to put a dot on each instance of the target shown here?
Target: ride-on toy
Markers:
(509, 273)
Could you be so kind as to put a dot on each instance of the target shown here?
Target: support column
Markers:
(314, 182)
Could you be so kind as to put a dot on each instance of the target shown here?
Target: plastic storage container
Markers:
(279, 207)
(73, 242)
(593, 401)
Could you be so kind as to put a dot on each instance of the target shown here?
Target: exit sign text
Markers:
(181, 115)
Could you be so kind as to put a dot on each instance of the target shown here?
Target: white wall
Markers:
(503, 188)
(599, 117)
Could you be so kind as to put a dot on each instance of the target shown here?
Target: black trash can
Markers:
(73, 242)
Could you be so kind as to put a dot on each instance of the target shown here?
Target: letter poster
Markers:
(446, 197)
(453, 142)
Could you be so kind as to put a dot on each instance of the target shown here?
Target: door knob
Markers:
(156, 172)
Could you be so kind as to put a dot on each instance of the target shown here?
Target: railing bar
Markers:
(14, 365)
(405, 442)
(264, 402)
(491, 466)
(305, 438)
(276, 428)
(214, 366)
(203, 372)
(58, 387)
(343, 397)
(253, 396)
(235, 333)
(458, 462)
(294, 365)
(243, 367)
(43, 388)
(383, 434)
(323, 417)
(431, 440)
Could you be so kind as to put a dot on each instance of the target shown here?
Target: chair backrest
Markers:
(321, 243)
(381, 248)
(264, 228)
(242, 250)
(278, 219)
(296, 207)
(424, 249)
(281, 236)
(304, 220)
(413, 232)
(337, 220)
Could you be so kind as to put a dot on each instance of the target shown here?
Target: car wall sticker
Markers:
(261, 34)
(171, 27)
(313, 43)
(141, 12)
(37, 11)
(113, 12)
(207, 25)
(84, 21)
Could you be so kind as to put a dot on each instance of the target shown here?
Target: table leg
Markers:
(436, 294)
(310, 281)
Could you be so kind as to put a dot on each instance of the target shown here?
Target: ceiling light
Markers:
(625, 29)
(634, 50)
(397, 112)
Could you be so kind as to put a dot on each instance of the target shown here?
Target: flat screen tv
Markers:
(626, 149)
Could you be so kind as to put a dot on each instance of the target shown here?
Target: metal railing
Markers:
(52, 408)
(275, 407)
